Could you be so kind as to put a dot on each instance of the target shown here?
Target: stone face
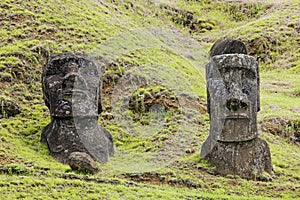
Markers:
(233, 145)
(72, 92)
(72, 86)
(232, 82)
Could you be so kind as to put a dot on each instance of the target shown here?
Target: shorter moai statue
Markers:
(233, 145)
(72, 91)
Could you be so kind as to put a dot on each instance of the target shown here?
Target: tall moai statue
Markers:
(233, 100)
(72, 91)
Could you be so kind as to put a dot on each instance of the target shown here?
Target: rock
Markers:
(8, 108)
(108, 116)
(228, 46)
(82, 162)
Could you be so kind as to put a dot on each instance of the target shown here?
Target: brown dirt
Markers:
(111, 76)
(159, 179)
(285, 128)
(196, 103)
(275, 126)
(5, 157)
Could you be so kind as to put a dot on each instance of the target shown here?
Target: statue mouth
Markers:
(237, 116)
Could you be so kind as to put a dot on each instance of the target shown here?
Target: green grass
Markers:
(162, 53)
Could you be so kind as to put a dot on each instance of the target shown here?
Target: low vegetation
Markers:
(153, 55)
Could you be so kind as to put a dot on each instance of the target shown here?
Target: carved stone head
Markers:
(72, 86)
(233, 145)
(72, 92)
(233, 97)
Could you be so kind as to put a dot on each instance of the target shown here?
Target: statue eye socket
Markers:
(245, 91)
(54, 71)
(247, 88)
(93, 73)
(249, 74)
(49, 72)
(223, 71)
(90, 72)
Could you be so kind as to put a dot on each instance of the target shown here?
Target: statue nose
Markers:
(73, 80)
(234, 104)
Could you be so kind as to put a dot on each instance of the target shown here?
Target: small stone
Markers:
(8, 108)
(82, 162)
(108, 116)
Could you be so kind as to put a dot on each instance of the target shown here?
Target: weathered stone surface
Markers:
(246, 159)
(72, 86)
(228, 46)
(232, 82)
(65, 136)
(72, 92)
(82, 162)
(233, 145)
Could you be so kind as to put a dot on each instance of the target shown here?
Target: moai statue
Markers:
(72, 91)
(233, 145)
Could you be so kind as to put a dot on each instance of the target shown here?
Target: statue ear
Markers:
(207, 90)
(258, 89)
(100, 72)
(100, 108)
(208, 101)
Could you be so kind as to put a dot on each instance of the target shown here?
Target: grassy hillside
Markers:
(147, 48)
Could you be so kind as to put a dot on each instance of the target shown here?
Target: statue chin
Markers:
(235, 130)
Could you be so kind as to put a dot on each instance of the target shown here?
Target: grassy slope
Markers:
(153, 44)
